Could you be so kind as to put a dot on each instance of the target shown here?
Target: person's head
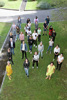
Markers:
(39, 28)
(11, 34)
(23, 42)
(47, 16)
(36, 53)
(30, 37)
(57, 46)
(11, 39)
(54, 30)
(52, 63)
(29, 29)
(41, 43)
(51, 39)
(51, 26)
(8, 62)
(36, 17)
(19, 17)
(29, 22)
(45, 21)
(21, 32)
(61, 54)
(34, 31)
(26, 60)
(8, 49)
(36, 22)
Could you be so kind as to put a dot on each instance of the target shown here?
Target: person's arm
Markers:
(54, 70)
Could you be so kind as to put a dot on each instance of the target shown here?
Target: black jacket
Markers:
(30, 41)
(9, 55)
(26, 65)
(10, 44)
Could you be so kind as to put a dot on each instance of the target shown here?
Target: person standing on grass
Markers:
(17, 32)
(9, 55)
(35, 35)
(50, 46)
(50, 31)
(36, 26)
(11, 35)
(28, 33)
(21, 37)
(53, 35)
(26, 65)
(28, 20)
(19, 22)
(47, 20)
(11, 45)
(30, 42)
(23, 49)
(9, 70)
(45, 28)
(59, 61)
(35, 59)
(14, 29)
(26, 28)
(29, 25)
(40, 49)
(56, 51)
(39, 34)
(50, 70)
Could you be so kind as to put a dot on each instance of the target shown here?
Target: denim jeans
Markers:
(17, 36)
(30, 47)
(14, 31)
(40, 52)
(49, 48)
(26, 71)
(12, 50)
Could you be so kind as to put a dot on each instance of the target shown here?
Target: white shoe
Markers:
(46, 52)
(34, 45)
(30, 52)
(53, 59)
(50, 52)
(37, 67)
(32, 67)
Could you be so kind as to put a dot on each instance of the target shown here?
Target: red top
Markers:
(50, 31)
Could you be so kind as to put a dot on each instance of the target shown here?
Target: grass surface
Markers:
(36, 87)
(4, 29)
(32, 5)
(12, 4)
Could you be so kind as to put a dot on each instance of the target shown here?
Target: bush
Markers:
(44, 5)
(2, 3)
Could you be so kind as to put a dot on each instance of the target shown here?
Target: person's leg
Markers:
(12, 61)
(37, 64)
(49, 77)
(39, 38)
(48, 48)
(22, 54)
(36, 43)
(13, 51)
(16, 36)
(27, 72)
(41, 54)
(57, 65)
(60, 66)
(10, 49)
(33, 63)
(51, 49)
(25, 54)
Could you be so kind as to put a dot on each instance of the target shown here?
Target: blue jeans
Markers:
(30, 47)
(49, 48)
(40, 52)
(12, 50)
(14, 31)
(17, 36)
(26, 71)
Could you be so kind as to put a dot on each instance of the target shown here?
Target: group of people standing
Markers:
(32, 39)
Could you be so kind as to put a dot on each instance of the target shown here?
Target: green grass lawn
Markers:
(36, 87)
(10, 4)
(32, 5)
(4, 29)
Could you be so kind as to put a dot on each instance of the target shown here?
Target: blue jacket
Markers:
(22, 47)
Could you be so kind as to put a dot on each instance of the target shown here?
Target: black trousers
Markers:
(39, 38)
(24, 52)
(35, 42)
(55, 56)
(11, 60)
(35, 62)
(58, 66)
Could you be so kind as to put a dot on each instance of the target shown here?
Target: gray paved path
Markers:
(11, 15)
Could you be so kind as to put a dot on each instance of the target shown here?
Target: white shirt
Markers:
(34, 36)
(11, 43)
(23, 48)
(14, 26)
(29, 24)
(51, 43)
(36, 57)
(28, 32)
(39, 31)
(56, 50)
(40, 48)
(60, 58)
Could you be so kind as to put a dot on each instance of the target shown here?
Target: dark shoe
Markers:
(28, 76)
(42, 57)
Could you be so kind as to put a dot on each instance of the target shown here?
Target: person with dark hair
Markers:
(60, 61)
(30, 42)
(45, 28)
(17, 32)
(53, 35)
(50, 31)
(50, 46)
(36, 26)
(26, 28)
(35, 35)
(26, 65)
(14, 29)
(50, 70)
(29, 25)
(19, 22)
(35, 59)
(36, 20)
(28, 34)
(39, 34)
(47, 20)
(11, 35)
(28, 20)
(9, 55)
(23, 49)
(21, 37)
(11, 45)
(56, 51)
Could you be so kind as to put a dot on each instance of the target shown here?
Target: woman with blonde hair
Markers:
(9, 70)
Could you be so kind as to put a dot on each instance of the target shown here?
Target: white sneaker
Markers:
(37, 67)
(34, 45)
(53, 59)
(46, 52)
(30, 52)
(50, 52)
(32, 67)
